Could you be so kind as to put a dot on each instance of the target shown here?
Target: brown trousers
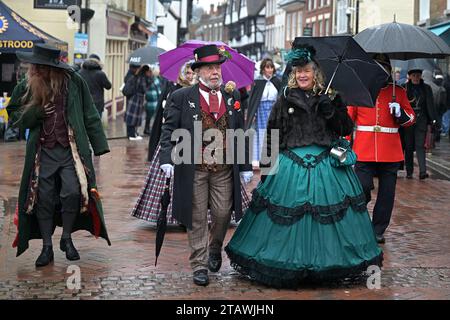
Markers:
(215, 189)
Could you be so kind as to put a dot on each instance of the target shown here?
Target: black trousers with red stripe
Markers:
(387, 180)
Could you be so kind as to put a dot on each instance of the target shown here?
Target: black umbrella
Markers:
(402, 41)
(145, 55)
(161, 225)
(348, 68)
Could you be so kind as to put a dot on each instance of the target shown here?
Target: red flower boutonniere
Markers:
(237, 105)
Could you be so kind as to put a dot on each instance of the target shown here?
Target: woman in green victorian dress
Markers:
(307, 220)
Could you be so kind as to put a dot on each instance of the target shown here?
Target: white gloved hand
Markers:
(168, 170)
(247, 176)
(395, 109)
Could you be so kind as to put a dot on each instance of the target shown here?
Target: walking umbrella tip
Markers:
(161, 224)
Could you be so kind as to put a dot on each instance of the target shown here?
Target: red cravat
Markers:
(213, 98)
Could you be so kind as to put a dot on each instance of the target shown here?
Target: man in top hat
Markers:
(378, 147)
(420, 96)
(58, 184)
(204, 178)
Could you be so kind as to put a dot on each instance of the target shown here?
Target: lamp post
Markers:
(357, 17)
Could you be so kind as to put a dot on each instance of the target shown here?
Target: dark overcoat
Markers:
(426, 112)
(181, 113)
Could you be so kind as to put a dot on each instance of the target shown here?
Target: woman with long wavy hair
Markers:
(58, 182)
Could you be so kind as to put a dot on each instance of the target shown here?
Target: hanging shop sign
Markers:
(55, 4)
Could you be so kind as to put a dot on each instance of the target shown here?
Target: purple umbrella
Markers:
(239, 68)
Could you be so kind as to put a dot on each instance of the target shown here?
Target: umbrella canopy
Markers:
(347, 68)
(239, 68)
(145, 55)
(161, 224)
(402, 41)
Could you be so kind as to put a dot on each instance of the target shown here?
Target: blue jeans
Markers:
(446, 121)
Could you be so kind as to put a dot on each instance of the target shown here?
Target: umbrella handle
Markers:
(393, 87)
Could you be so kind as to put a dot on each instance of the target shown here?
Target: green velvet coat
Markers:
(83, 118)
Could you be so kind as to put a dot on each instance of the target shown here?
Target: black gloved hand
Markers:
(326, 106)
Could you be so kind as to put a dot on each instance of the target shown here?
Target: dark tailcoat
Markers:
(181, 113)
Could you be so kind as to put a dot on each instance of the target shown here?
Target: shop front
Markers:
(125, 33)
(17, 34)
(443, 31)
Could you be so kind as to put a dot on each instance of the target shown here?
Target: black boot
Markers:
(147, 126)
(66, 245)
(424, 175)
(45, 257)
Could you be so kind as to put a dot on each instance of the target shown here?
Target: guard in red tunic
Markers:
(378, 147)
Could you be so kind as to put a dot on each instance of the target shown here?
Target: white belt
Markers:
(377, 129)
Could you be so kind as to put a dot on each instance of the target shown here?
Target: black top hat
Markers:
(205, 55)
(44, 54)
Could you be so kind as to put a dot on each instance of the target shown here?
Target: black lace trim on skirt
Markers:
(323, 214)
(283, 278)
(309, 160)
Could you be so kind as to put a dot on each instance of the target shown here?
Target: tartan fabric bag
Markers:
(148, 204)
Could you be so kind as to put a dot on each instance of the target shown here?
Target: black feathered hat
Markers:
(301, 54)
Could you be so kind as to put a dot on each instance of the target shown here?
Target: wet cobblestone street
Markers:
(416, 265)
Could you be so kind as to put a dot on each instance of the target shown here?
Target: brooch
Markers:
(229, 101)
(191, 104)
(195, 116)
(230, 112)
(291, 110)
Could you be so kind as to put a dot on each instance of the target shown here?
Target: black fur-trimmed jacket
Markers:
(303, 120)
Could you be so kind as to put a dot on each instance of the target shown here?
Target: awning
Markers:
(17, 34)
(439, 30)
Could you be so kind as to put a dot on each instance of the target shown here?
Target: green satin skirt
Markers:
(308, 221)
